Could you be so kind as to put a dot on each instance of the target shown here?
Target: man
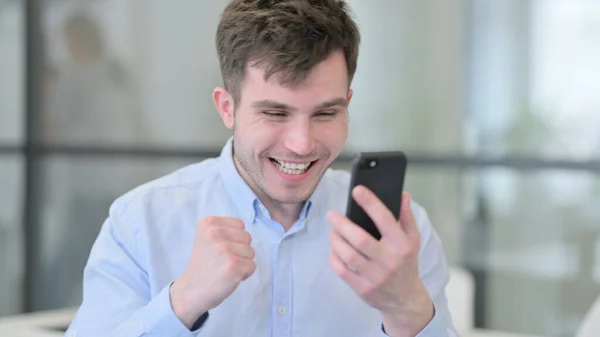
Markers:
(255, 243)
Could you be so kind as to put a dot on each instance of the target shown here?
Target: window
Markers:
(11, 164)
(11, 234)
(533, 97)
(12, 70)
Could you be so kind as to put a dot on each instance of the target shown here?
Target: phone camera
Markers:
(369, 163)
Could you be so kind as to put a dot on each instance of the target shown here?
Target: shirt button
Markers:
(249, 216)
(281, 310)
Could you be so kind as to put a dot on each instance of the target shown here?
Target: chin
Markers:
(287, 195)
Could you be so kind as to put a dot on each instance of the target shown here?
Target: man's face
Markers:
(286, 137)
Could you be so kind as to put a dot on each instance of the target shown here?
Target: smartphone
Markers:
(383, 173)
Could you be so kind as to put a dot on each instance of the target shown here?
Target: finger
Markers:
(218, 233)
(350, 256)
(223, 222)
(377, 211)
(351, 278)
(239, 249)
(407, 218)
(249, 267)
(241, 268)
(354, 235)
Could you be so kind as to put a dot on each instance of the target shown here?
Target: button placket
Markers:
(282, 289)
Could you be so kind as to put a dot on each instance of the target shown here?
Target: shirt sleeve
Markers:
(116, 294)
(434, 273)
(435, 328)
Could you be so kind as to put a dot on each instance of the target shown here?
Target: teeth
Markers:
(295, 166)
(292, 168)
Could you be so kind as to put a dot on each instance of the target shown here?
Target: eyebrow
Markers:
(336, 101)
(270, 104)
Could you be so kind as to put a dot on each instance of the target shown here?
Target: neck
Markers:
(284, 213)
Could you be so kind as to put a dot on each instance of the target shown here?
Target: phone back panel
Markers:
(383, 173)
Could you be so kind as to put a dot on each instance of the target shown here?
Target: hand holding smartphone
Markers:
(384, 272)
(383, 173)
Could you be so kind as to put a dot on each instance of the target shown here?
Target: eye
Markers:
(273, 113)
(328, 113)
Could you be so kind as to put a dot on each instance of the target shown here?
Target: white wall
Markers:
(181, 69)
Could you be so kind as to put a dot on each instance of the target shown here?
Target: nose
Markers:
(299, 138)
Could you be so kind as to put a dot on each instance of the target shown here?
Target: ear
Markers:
(225, 106)
(350, 92)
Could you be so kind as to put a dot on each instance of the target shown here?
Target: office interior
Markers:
(495, 103)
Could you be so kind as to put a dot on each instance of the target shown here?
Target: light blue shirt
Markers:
(146, 243)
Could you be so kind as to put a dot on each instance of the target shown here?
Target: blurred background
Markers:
(496, 103)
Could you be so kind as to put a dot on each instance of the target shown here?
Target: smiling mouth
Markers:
(292, 168)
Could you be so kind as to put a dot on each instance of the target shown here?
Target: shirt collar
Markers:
(246, 200)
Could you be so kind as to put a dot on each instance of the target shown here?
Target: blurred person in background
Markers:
(94, 99)
(91, 100)
(255, 243)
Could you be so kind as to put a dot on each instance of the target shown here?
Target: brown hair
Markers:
(288, 37)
